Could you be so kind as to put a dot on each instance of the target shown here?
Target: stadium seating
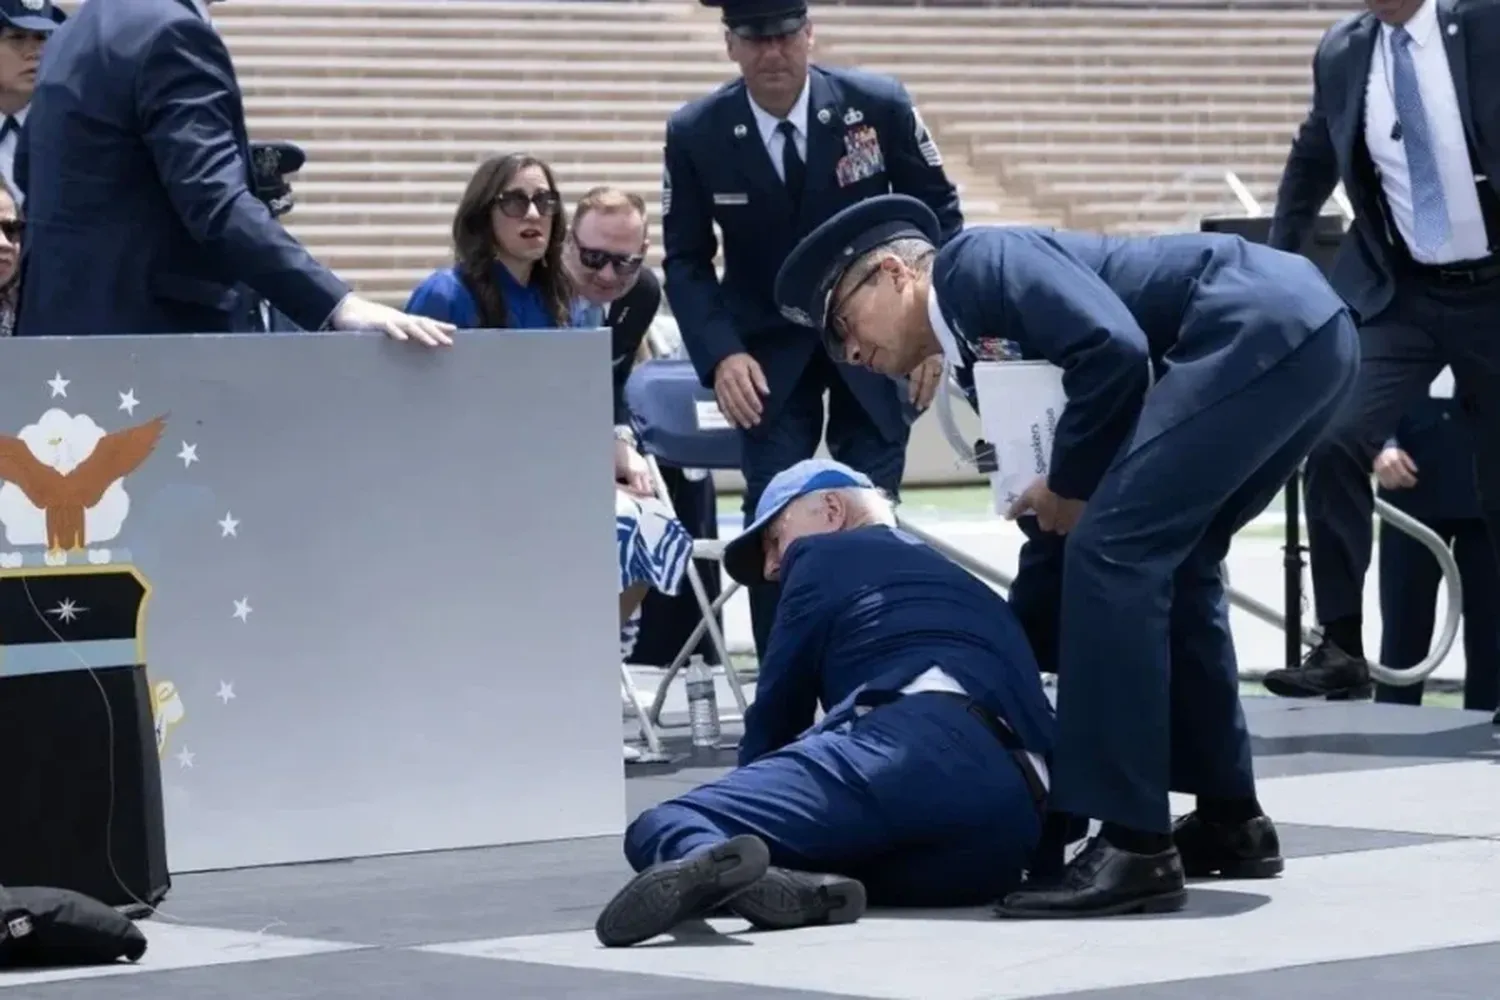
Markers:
(1119, 118)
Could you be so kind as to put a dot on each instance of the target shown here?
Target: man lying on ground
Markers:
(924, 783)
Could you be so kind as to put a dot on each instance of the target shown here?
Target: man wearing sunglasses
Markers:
(135, 162)
(767, 158)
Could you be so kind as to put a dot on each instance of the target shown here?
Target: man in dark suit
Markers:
(1406, 112)
(1427, 470)
(136, 168)
(768, 157)
(924, 782)
(1199, 369)
(271, 166)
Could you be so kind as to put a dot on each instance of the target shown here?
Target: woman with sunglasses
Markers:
(508, 235)
(11, 228)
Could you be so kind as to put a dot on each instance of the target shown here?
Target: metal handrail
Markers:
(943, 406)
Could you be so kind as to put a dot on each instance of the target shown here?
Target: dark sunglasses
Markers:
(12, 229)
(513, 204)
(598, 260)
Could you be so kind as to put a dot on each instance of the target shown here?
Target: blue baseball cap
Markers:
(761, 18)
(744, 559)
(39, 16)
(814, 268)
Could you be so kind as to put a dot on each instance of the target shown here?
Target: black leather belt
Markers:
(1008, 739)
(1468, 272)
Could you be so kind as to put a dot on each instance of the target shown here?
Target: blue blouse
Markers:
(443, 296)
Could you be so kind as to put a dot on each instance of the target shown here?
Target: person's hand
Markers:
(1395, 469)
(355, 313)
(1053, 513)
(739, 385)
(631, 471)
(924, 381)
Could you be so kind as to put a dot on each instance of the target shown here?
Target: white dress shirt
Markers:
(8, 153)
(1468, 240)
(201, 6)
(774, 140)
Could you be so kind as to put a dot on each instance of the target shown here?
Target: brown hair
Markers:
(474, 246)
(609, 200)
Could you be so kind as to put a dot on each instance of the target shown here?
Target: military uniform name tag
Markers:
(731, 199)
(1020, 403)
(863, 158)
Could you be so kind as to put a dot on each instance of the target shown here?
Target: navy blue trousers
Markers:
(1148, 684)
(916, 799)
(1409, 578)
(795, 433)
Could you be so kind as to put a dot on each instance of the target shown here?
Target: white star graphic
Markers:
(66, 610)
(58, 385)
(185, 757)
(229, 526)
(242, 609)
(226, 692)
(128, 402)
(188, 454)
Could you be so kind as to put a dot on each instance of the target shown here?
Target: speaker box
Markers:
(1320, 247)
(80, 779)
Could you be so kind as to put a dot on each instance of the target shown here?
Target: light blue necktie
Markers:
(1428, 205)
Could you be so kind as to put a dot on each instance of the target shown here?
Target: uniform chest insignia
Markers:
(853, 117)
(863, 157)
(996, 349)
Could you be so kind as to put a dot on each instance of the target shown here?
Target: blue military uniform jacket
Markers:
(136, 164)
(1440, 442)
(862, 614)
(864, 138)
(1189, 312)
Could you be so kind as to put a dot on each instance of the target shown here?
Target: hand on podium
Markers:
(355, 313)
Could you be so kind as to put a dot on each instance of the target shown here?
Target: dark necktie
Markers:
(793, 170)
(10, 128)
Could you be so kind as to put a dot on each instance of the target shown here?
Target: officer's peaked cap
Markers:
(41, 16)
(761, 18)
(811, 272)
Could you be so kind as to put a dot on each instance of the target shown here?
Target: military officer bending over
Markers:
(1199, 370)
(924, 782)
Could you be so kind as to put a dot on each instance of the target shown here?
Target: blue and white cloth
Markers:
(654, 549)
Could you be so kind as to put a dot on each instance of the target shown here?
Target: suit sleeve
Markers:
(786, 695)
(689, 247)
(188, 105)
(1022, 283)
(629, 318)
(915, 166)
(1310, 175)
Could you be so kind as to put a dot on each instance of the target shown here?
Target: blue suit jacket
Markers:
(862, 614)
(1440, 442)
(136, 169)
(718, 170)
(1204, 314)
(1330, 145)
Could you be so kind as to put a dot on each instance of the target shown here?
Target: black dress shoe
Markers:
(785, 899)
(1250, 849)
(665, 895)
(1327, 672)
(1104, 881)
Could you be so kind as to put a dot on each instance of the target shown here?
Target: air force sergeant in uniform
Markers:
(925, 782)
(1199, 370)
(767, 157)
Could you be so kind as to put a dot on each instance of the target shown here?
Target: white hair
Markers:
(873, 505)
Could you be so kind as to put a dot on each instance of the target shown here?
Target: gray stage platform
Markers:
(1392, 817)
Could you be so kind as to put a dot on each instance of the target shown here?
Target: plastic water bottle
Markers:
(703, 704)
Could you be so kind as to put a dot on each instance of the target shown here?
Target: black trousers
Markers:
(1427, 327)
(1409, 578)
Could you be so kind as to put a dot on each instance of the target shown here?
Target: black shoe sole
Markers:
(780, 902)
(663, 896)
(1164, 902)
(1247, 868)
(1291, 689)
